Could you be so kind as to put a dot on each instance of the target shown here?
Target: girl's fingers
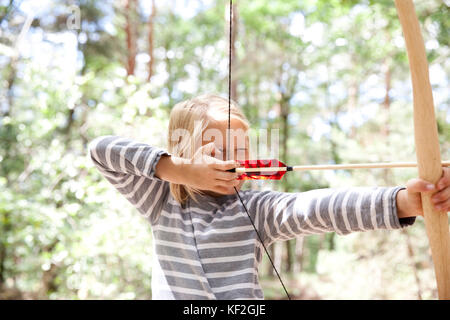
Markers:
(441, 196)
(229, 183)
(444, 181)
(224, 175)
(225, 165)
(419, 185)
(443, 206)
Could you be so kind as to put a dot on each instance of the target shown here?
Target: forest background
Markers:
(332, 76)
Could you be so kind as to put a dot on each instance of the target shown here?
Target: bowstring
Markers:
(228, 149)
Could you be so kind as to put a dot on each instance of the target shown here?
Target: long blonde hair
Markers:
(192, 117)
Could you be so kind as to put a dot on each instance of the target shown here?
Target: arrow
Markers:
(272, 169)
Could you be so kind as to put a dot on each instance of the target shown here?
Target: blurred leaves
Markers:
(65, 232)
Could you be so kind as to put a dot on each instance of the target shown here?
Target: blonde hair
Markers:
(193, 116)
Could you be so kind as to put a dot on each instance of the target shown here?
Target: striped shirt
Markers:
(209, 249)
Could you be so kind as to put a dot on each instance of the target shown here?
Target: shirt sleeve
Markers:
(284, 216)
(130, 167)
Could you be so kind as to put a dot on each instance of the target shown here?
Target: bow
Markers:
(427, 144)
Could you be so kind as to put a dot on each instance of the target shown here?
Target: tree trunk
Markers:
(299, 246)
(151, 26)
(330, 237)
(385, 129)
(130, 31)
(284, 113)
(278, 255)
(353, 93)
(387, 99)
(10, 80)
(269, 270)
(413, 263)
(3, 252)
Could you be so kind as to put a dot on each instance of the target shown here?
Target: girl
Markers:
(204, 243)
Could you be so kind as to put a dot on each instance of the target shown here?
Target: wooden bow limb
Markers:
(427, 144)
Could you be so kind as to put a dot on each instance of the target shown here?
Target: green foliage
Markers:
(65, 233)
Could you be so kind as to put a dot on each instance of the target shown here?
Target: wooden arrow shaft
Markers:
(338, 167)
(427, 143)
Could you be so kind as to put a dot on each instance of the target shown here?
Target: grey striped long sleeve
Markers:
(208, 249)
(130, 167)
(284, 216)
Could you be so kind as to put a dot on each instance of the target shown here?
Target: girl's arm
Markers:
(130, 167)
(284, 216)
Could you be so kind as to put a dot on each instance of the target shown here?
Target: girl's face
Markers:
(217, 132)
